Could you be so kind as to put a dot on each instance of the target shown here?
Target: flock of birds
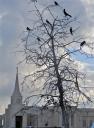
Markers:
(66, 14)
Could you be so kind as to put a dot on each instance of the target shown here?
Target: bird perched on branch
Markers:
(66, 14)
(82, 43)
(28, 29)
(71, 31)
(38, 38)
(56, 3)
(48, 22)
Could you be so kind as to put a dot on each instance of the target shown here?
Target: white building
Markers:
(17, 115)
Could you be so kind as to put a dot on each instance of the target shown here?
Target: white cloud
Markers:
(81, 66)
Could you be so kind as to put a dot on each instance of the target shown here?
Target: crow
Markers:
(48, 21)
(56, 3)
(28, 29)
(82, 43)
(71, 31)
(38, 38)
(66, 14)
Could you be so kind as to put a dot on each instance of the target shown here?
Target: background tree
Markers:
(49, 45)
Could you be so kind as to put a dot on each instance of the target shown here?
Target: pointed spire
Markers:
(17, 90)
(16, 93)
(17, 81)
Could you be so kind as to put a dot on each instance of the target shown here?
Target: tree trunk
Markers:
(65, 121)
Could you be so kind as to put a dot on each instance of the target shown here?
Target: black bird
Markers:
(66, 14)
(28, 29)
(71, 31)
(56, 3)
(83, 43)
(38, 38)
(48, 21)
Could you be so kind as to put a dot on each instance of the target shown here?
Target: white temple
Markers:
(17, 115)
(14, 107)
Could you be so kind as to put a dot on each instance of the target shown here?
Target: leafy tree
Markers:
(50, 44)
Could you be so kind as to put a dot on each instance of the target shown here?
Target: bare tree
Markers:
(49, 45)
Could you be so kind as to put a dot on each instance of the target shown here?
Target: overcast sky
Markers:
(14, 20)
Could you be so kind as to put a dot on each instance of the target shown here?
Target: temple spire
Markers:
(16, 93)
(17, 82)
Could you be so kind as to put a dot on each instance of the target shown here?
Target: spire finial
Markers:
(17, 81)
(17, 69)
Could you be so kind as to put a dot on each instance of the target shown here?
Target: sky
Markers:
(14, 18)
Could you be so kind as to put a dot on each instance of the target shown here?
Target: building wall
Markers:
(50, 117)
(10, 114)
(82, 118)
(24, 120)
(41, 117)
